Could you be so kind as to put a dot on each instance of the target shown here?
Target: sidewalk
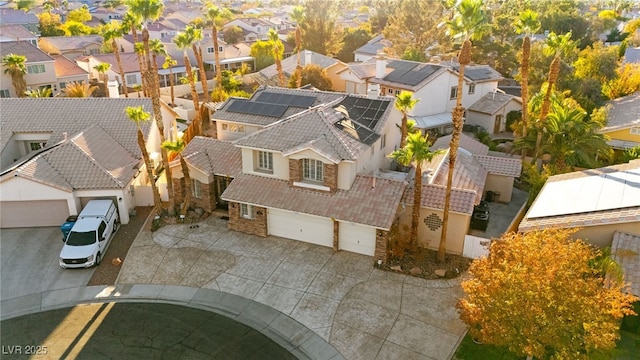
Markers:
(363, 312)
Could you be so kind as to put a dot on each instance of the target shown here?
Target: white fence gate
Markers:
(475, 247)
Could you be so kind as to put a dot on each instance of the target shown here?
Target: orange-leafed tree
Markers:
(545, 295)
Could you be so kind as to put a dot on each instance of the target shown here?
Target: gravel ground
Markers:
(106, 273)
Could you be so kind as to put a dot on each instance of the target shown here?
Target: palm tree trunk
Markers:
(171, 82)
(417, 202)
(134, 33)
(203, 75)
(403, 136)
(194, 95)
(19, 84)
(554, 70)
(157, 202)
(187, 186)
(526, 51)
(280, 72)
(116, 52)
(458, 122)
(214, 33)
(298, 67)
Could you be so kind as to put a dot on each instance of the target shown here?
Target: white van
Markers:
(90, 235)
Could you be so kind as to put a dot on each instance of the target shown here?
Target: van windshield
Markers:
(81, 238)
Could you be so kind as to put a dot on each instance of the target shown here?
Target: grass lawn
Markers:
(628, 349)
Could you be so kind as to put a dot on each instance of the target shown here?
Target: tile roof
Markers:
(625, 249)
(129, 61)
(492, 102)
(476, 73)
(433, 196)
(289, 64)
(624, 112)
(63, 43)
(214, 156)
(72, 116)
(90, 160)
(362, 204)
(15, 32)
(632, 55)
(500, 165)
(363, 70)
(66, 67)
(374, 45)
(25, 48)
(15, 16)
(466, 142)
(468, 174)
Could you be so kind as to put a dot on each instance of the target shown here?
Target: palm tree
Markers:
(216, 16)
(78, 90)
(298, 16)
(196, 34)
(14, 66)
(555, 45)
(132, 21)
(102, 69)
(38, 93)
(277, 51)
(416, 151)
(527, 23)
(138, 116)
(169, 63)
(469, 22)
(177, 147)
(184, 41)
(111, 32)
(405, 103)
(138, 48)
(157, 48)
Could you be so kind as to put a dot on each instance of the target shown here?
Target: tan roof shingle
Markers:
(214, 156)
(625, 249)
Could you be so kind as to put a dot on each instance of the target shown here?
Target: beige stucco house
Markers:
(623, 122)
(41, 72)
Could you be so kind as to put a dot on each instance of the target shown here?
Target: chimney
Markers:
(373, 182)
(381, 65)
(112, 86)
(374, 91)
(307, 57)
(65, 136)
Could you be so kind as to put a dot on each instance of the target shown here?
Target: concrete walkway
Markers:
(363, 312)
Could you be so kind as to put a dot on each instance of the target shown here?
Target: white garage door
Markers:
(357, 238)
(307, 228)
(33, 213)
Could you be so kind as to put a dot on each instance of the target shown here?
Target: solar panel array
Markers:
(257, 108)
(286, 99)
(365, 111)
(357, 131)
(409, 73)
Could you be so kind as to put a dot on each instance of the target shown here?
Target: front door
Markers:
(497, 125)
(221, 183)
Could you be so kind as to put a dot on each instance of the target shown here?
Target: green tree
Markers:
(177, 147)
(352, 39)
(183, 41)
(232, 34)
(39, 93)
(627, 81)
(139, 116)
(15, 66)
(81, 15)
(262, 51)
(565, 16)
(405, 102)
(169, 63)
(196, 34)
(278, 51)
(313, 75)
(131, 21)
(102, 69)
(469, 21)
(382, 9)
(25, 5)
(320, 20)
(298, 16)
(417, 151)
(217, 17)
(49, 24)
(540, 294)
(75, 28)
(111, 33)
(78, 90)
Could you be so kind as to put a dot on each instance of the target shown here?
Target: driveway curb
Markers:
(282, 329)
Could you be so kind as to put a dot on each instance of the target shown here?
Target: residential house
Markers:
(13, 32)
(371, 48)
(232, 57)
(490, 112)
(253, 28)
(332, 67)
(623, 122)
(68, 71)
(72, 46)
(40, 67)
(631, 56)
(597, 202)
(28, 20)
(477, 172)
(75, 150)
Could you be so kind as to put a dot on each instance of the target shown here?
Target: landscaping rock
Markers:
(396, 268)
(416, 271)
(440, 272)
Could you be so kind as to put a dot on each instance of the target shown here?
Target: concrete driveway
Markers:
(363, 312)
(29, 263)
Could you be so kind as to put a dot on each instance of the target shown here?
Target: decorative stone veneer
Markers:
(295, 171)
(207, 199)
(256, 226)
(382, 241)
(336, 235)
(330, 175)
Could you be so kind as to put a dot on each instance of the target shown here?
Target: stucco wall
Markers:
(602, 235)
(456, 229)
(501, 184)
(624, 134)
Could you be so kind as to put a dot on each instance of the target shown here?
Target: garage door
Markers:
(307, 228)
(357, 238)
(33, 213)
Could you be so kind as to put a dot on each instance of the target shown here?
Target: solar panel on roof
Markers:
(286, 99)
(257, 108)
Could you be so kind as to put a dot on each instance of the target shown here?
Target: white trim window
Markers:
(265, 161)
(210, 50)
(472, 89)
(453, 94)
(312, 170)
(635, 130)
(234, 128)
(35, 69)
(131, 79)
(196, 189)
(4, 93)
(246, 211)
(35, 146)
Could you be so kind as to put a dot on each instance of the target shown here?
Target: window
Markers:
(312, 170)
(132, 79)
(472, 89)
(454, 93)
(210, 50)
(265, 161)
(635, 130)
(34, 42)
(196, 189)
(390, 91)
(37, 145)
(233, 128)
(4, 93)
(35, 69)
(383, 141)
(397, 92)
(63, 85)
(101, 230)
(246, 211)
(220, 49)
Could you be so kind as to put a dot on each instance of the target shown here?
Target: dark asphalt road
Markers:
(133, 331)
